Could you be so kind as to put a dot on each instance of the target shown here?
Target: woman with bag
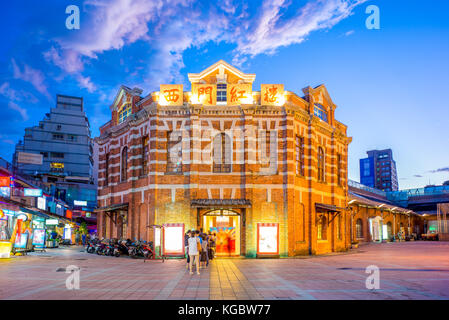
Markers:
(194, 243)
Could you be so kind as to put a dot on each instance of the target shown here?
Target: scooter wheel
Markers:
(117, 254)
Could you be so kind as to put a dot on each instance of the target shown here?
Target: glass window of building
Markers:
(124, 112)
(174, 152)
(222, 153)
(145, 145)
(299, 148)
(320, 112)
(320, 164)
(106, 170)
(124, 165)
(339, 166)
(221, 92)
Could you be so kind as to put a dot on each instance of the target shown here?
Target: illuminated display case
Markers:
(173, 239)
(268, 239)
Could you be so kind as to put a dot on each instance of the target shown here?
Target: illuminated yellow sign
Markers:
(57, 165)
(239, 94)
(171, 95)
(205, 94)
(272, 94)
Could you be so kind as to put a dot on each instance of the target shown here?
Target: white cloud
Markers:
(23, 112)
(86, 83)
(171, 27)
(16, 95)
(33, 76)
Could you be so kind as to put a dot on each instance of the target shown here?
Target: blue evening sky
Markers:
(390, 85)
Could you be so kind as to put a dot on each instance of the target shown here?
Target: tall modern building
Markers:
(59, 152)
(62, 138)
(379, 170)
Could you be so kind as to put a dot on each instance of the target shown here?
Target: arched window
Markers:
(174, 152)
(124, 112)
(106, 171)
(124, 164)
(320, 112)
(222, 153)
(359, 228)
(322, 228)
(320, 164)
(339, 166)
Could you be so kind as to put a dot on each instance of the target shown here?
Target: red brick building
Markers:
(265, 168)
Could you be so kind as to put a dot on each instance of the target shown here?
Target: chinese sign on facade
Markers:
(205, 94)
(272, 94)
(171, 95)
(239, 94)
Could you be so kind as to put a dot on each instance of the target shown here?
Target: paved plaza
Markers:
(408, 270)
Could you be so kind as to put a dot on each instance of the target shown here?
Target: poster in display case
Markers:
(173, 239)
(268, 238)
(21, 241)
(38, 238)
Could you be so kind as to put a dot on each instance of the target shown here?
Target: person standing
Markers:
(204, 254)
(194, 252)
(186, 244)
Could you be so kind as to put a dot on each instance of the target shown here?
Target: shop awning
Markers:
(36, 213)
(113, 207)
(220, 203)
(323, 207)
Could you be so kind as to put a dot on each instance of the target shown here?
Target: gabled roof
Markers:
(124, 89)
(322, 93)
(222, 66)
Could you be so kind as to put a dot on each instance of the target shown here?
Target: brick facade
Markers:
(258, 159)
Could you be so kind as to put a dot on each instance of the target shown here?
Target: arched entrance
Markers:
(225, 224)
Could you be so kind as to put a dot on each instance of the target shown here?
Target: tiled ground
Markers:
(408, 270)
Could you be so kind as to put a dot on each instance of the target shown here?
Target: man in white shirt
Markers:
(193, 252)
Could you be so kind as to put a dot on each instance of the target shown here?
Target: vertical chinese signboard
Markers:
(268, 239)
(171, 95)
(240, 93)
(272, 94)
(205, 94)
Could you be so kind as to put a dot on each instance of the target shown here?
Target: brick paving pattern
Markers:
(408, 270)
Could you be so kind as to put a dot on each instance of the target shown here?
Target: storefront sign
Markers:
(29, 158)
(57, 165)
(67, 232)
(51, 222)
(205, 94)
(41, 203)
(68, 214)
(39, 238)
(240, 93)
(5, 181)
(22, 216)
(80, 203)
(272, 94)
(32, 192)
(171, 95)
(5, 192)
(268, 238)
(173, 241)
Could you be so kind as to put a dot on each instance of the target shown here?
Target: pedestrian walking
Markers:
(83, 237)
(194, 252)
(186, 244)
(204, 255)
